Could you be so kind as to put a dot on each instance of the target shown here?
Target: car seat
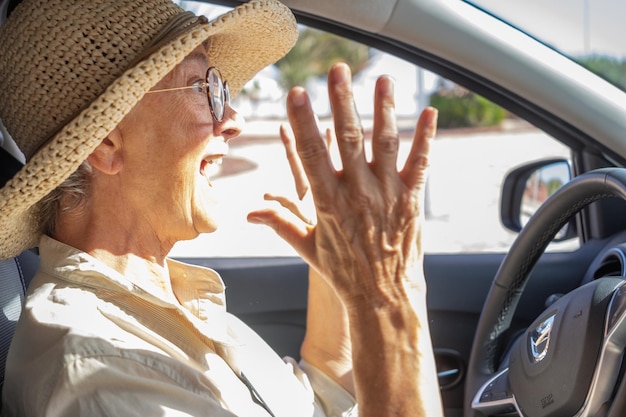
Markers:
(15, 275)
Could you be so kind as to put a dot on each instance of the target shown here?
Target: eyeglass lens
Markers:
(217, 92)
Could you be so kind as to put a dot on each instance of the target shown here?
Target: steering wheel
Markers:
(568, 362)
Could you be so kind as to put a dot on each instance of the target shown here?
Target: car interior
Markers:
(15, 275)
(533, 326)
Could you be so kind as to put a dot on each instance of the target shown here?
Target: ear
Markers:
(107, 157)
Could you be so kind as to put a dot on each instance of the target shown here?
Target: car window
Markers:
(590, 32)
(477, 144)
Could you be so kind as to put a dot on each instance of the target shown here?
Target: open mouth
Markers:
(210, 167)
(212, 159)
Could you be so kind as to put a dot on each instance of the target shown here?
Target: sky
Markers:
(575, 27)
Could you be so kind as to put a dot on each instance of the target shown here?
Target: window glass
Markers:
(590, 32)
(477, 144)
(574, 27)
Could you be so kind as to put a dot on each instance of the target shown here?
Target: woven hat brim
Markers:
(242, 42)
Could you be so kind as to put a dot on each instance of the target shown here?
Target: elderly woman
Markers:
(120, 107)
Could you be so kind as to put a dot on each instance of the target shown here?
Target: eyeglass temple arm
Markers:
(178, 88)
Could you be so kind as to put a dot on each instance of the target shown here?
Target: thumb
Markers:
(299, 236)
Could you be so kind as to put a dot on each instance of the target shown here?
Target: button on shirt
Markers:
(93, 342)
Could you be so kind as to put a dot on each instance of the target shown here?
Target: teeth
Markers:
(216, 160)
(211, 167)
(213, 158)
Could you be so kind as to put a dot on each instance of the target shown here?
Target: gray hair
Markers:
(69, 196)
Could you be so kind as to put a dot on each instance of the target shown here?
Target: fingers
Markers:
(329, 137)
(297, 235)
(385, 139)
(289, 205)
(302, 184)
(310, 145)
(414, 171)
(348, 129)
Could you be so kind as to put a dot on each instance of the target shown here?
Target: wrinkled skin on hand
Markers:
(367, 239)
(367, 325)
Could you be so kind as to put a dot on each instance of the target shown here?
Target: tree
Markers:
(611, 69)
(314, 54)
(459, 107)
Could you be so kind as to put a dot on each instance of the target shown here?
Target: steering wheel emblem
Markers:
(540, 339)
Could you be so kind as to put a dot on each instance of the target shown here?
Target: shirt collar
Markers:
(199, 291)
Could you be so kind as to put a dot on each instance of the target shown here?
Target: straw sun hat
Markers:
(70, 70)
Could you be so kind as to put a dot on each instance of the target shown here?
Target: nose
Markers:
(230, 126)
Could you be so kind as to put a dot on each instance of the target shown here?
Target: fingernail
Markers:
(298, 96)
(431, 114)
(254, 219)
(340, 73)
(387, 86)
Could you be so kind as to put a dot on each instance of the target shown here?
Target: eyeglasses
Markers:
(216, 91)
